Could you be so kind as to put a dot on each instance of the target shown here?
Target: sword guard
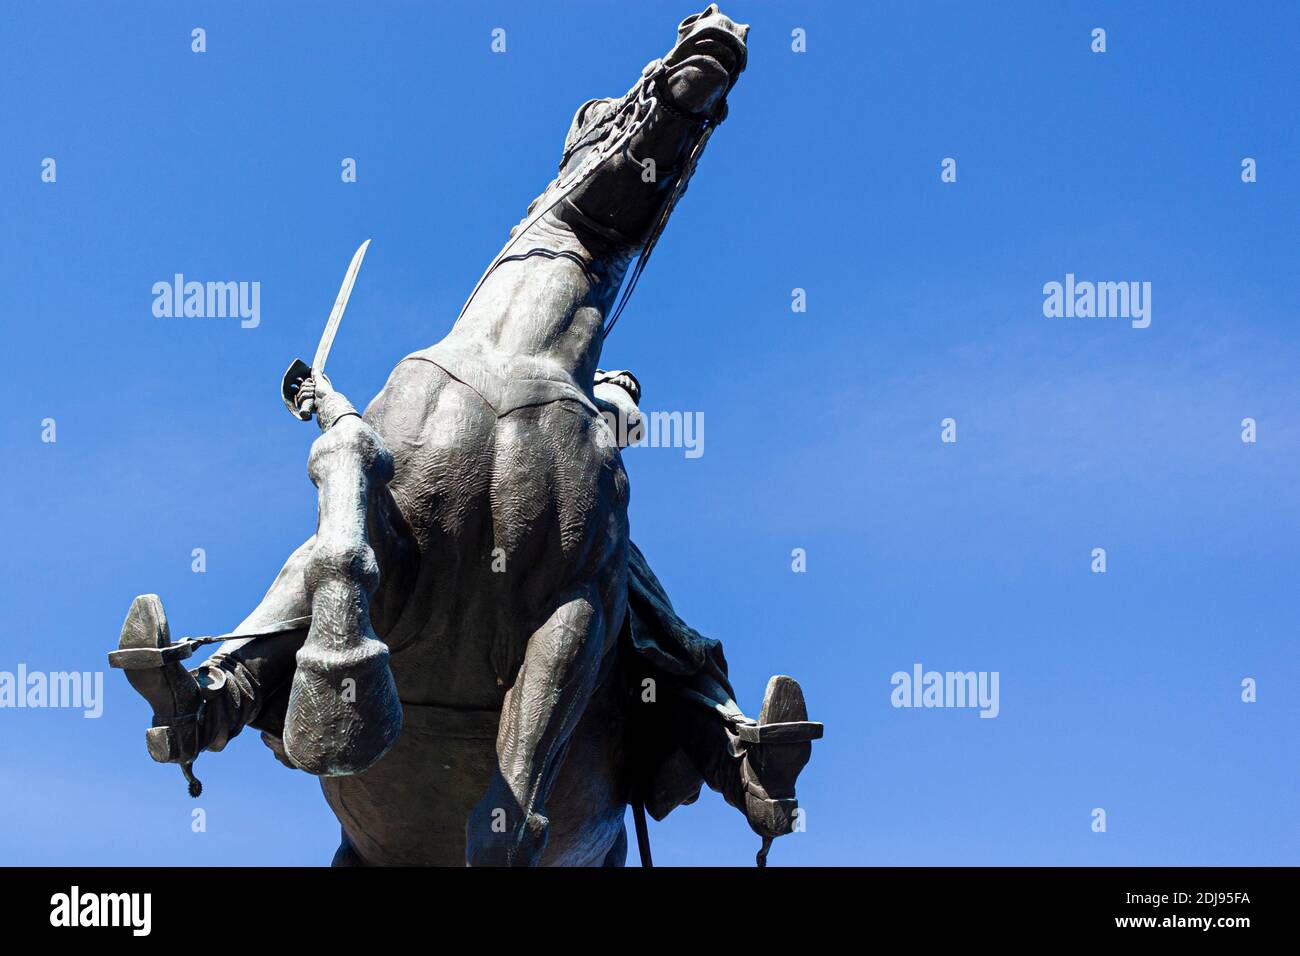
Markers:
(298, 373)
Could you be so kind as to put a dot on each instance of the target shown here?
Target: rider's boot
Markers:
(193, 711)
(753, 764)
(776, 750)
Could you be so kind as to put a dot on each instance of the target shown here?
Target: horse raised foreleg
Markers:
(508, 827)
(247, 681)
(343, 712)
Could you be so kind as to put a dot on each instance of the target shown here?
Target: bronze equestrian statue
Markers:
(470, 652)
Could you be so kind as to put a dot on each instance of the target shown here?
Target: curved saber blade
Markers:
(336, 314)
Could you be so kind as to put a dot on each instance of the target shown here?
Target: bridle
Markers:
(635, 111)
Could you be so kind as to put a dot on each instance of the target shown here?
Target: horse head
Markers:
(693, 79)
(627, 160)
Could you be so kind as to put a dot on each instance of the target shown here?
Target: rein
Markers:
(706, 130)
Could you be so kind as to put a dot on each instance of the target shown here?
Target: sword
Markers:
(299, 371)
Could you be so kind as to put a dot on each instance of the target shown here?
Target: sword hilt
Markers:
(298, 373)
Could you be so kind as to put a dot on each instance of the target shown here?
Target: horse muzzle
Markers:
(715, 36)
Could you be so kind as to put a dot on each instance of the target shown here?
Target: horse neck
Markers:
(546, 299)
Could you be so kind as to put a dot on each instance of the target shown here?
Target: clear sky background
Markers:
(1118, 690)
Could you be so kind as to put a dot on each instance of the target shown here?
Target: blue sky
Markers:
(1118, 690)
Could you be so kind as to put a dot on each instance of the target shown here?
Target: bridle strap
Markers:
(648, 95)
(563, 190)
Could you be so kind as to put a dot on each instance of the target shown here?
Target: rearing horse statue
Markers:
(459, 651)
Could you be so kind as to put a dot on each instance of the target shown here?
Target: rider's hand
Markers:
(313, 389)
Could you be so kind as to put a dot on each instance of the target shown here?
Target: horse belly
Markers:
(410, 808)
